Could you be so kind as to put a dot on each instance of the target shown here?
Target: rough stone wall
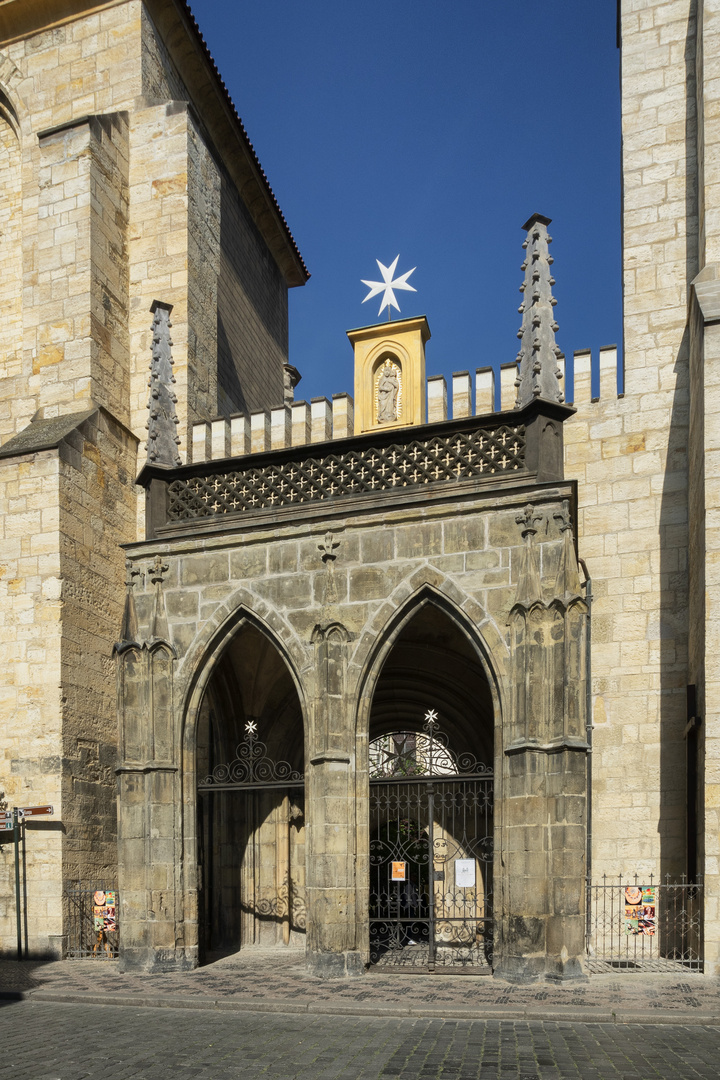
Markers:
(158, 248)
(161, 80)
(177, 221)
(97, 514)
(231, 327)
(252, 323)
(11, 262)
(30, 683)
(55, 78)
(704, 486)
(64, 512)
(176, 237)
(80, 297)
(203, 243)
(630, 458)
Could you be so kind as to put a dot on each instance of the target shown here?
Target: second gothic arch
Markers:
(428, 589)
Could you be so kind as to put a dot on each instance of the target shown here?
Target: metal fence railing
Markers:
(644, 925)
(92, 922)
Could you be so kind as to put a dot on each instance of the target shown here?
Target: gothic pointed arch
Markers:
(426, 751)
(245, 753)
(444, 597)
(205, 652)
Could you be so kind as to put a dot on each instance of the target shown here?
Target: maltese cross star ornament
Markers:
(388, 285)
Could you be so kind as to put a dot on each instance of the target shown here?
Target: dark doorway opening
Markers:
(251, 812)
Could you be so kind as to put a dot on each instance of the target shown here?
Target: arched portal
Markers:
(250, 766)
(431, 801)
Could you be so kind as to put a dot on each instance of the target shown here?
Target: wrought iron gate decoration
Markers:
(671, 943)
(255, 774)
(431, 851)
(87, 938)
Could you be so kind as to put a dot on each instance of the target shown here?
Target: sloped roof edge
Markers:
(253, 183)
(179, 29)
(44, 434)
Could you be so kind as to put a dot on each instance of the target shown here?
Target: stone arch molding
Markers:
(427, 586)
(201, 659)
(11, 105)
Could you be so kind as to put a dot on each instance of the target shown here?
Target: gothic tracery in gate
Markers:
(431, 802)
(431, 852)
(251, 801)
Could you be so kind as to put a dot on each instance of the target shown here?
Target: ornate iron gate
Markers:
(644, 925)
(262, 804)
(92, 921)
(431, 851)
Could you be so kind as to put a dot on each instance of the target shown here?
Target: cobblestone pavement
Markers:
(56, 1041)
(278, 982)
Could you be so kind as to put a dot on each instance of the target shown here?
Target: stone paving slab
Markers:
(65, 1041)
(277, 982)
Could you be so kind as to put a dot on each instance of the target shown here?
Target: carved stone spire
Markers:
(162, 444)
(328, 556)
(529, 589)
(567, 585)
(538, 374)
(158, 622)
(129, 629)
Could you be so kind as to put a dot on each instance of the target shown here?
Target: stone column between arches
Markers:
(333, 948)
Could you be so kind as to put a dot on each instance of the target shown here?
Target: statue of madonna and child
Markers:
(388, 390)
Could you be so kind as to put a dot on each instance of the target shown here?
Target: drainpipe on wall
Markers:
(588, 736)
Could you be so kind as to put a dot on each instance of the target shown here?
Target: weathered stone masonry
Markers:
(330, 583)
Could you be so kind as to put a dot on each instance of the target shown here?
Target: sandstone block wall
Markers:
(64, 511)
(632, 525)
(111, 196)
(629, 456)
(252, 314)
(704, 487)
(97, 514)
(236, 293)
(31, 743)
(181, 234)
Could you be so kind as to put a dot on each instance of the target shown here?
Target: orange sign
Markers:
(398, 871)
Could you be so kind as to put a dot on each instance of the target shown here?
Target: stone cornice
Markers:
(20, 18)
(555, 746)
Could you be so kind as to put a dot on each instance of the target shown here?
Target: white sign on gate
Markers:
(465, 873)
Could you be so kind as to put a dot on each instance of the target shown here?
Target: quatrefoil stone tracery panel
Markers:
(457, 457)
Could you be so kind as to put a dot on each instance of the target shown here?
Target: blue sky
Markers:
(433, 131)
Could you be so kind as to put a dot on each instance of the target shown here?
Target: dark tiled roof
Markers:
(44, 434)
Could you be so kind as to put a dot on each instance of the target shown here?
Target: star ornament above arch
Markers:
(388, 285)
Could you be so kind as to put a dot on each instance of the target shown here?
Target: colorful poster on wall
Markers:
(104, 915)
(398, 871)
(640, 910)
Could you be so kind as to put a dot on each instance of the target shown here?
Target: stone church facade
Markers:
(323, 675)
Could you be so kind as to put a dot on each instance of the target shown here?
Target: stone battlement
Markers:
(302, 423)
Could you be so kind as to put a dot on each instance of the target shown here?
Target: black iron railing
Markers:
(92, 921)
(640, 924)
